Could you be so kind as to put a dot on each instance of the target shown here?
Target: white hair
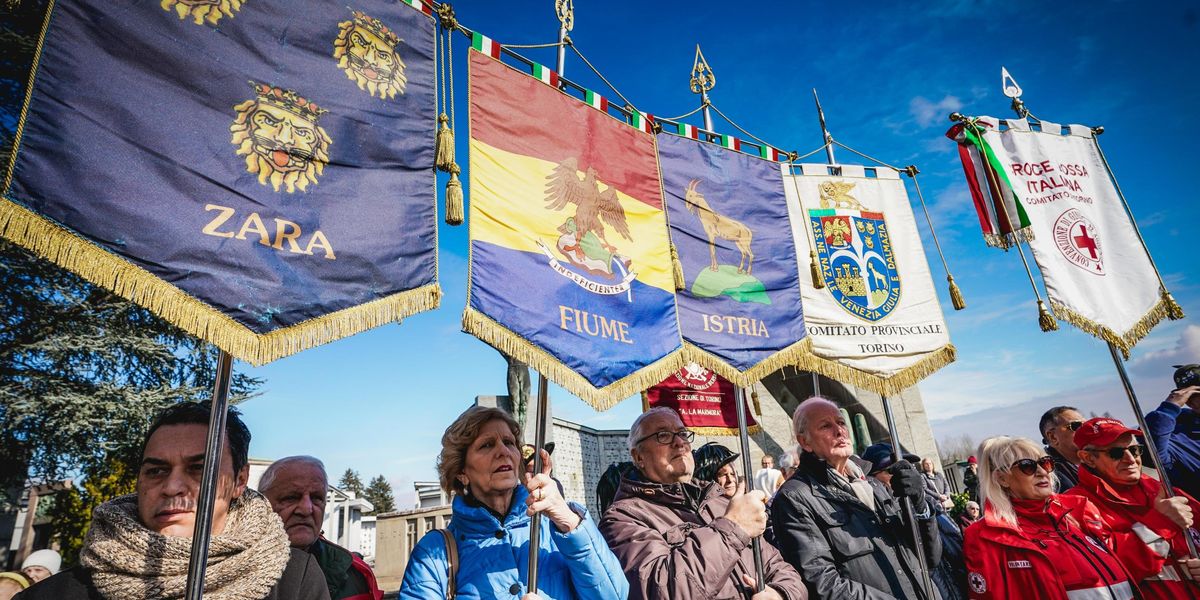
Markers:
(996, 455)
(268, 477)
(800, 417)
(635, 430)
(789, 460)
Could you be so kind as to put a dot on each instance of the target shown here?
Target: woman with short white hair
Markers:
(1033, 543)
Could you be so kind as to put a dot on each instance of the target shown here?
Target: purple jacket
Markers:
(674, 542)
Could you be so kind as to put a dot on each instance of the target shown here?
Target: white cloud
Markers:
(927, 112)
(1158, 363)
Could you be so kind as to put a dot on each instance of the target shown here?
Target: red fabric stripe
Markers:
(517, 113)
(964, 154)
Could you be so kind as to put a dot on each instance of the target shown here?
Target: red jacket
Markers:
(1124, 507)
(1005, 562)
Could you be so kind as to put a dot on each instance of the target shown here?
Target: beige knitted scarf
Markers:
(127, 561)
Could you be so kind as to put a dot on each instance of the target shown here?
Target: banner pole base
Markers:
(739, 397)
(910, 514)
(539, 440)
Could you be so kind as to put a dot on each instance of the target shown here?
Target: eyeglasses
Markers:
(1030, 466)
(1074, 425)
(1119, 453)
(666, 437)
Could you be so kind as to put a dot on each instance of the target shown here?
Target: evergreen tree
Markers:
(379, 494)
(352, 482)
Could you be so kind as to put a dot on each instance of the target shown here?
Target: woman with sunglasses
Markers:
(1033, 543)
(1135, 505)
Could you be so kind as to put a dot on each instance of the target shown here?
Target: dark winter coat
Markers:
(347, 576)
(842, 548)
(302, 580)
(674, 542)
(1066, 471)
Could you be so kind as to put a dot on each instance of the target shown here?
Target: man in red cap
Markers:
(971, 479)
(1148, 527)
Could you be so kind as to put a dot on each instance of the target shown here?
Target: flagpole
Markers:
(906, 503)
(831, 161)
(703, 80)
(739, 397)
(535, 523)
(1150, 445)
(565, 10)
(202, 529)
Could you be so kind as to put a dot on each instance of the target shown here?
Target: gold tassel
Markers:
(956, 297)
(754, 400)
(645, 401)
(1046, 318)
(454, 198)
(677, 269)
(1174, 310)
(444, 145)
(818, 282)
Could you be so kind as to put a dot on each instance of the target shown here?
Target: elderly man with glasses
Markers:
(1058, 427)
(678, 538)
(1135, 506)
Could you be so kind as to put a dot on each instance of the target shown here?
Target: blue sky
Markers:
(887, 74)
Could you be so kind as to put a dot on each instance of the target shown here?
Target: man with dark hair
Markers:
(1058, 426)
(1175, 427)
(139, 545)
(297, 487)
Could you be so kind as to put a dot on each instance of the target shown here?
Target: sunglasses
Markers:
(1030, 466)
(1119, 453)
(1074, 425)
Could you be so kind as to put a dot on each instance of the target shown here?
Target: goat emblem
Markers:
(719, 226)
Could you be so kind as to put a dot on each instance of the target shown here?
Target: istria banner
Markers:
(1097, 273)
(703, 399)
(876, 323)
(570, 259)
(741, 303)
(258, 173)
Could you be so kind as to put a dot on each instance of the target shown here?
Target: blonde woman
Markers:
(494, 497)
(1033, 543)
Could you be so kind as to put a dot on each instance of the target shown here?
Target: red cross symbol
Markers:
(1083, 241)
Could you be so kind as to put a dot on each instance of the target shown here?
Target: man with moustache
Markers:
(297, 488)
(139, 545)
(843, 531)
(680, 538)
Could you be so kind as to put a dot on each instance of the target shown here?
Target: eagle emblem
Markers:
(278, 134)
(365, 49)
(203, 10)
(584, 241)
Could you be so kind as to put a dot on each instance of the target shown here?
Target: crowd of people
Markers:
(1074, 518)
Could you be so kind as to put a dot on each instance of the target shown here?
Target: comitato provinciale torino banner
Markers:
(258, 173)
(570, 258)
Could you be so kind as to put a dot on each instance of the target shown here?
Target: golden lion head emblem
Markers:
(836, 194)
(202, 10)
(366, 50)
(278, 134)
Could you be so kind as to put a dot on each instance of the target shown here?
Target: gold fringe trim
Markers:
(512, 344)
(889, 386)
(1125, 341)
(796, 354)
(105, 269)
(725, 431)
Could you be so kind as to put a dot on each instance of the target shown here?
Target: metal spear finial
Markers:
(1013, 90)
(703, 78)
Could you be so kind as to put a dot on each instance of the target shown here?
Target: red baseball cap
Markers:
(971, 460)
(1101, 431)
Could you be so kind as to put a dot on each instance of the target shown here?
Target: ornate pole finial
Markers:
(566, 13)
(1012, 89)
(703, 78)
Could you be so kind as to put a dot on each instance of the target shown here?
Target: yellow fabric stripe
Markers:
(509, 208)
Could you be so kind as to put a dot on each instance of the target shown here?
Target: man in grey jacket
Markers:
(678, 539)
(843, 531)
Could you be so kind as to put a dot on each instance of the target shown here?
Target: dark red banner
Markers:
(703, 399)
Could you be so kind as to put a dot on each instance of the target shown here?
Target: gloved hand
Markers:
(907, 481)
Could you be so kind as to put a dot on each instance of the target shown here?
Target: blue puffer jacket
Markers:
(494, 558)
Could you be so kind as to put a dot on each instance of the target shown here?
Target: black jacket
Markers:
(1066, 471)
(302, 580)
(842, 548)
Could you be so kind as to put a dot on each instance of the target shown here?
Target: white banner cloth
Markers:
(1097, 273)
(877, 323)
